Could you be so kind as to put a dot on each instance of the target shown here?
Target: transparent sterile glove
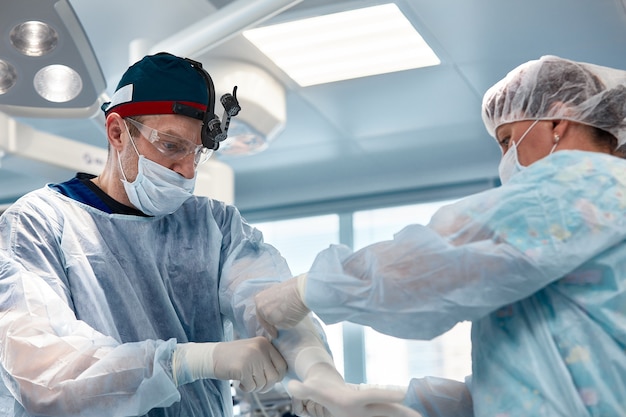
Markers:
(281, 306)
(322, 394)
(254, 362)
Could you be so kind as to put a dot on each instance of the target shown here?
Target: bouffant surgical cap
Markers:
(552, 88)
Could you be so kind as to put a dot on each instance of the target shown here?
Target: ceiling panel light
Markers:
(340, 46)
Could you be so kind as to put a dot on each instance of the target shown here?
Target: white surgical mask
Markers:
(509, 164)
(157, 190)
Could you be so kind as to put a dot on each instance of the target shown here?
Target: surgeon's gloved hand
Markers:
(254, 362)
(322, 394)
(281, 306)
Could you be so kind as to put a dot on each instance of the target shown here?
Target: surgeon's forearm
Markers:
(60, 366)
(304, 351)
(57, 379)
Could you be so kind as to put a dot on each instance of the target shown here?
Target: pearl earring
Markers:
(556, 142)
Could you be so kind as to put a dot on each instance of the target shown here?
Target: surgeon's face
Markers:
(536, 144)
(175, 125)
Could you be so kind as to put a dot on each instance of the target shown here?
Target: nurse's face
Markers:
(536, 144)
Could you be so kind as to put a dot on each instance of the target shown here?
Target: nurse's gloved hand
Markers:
(254, 362)
(281, 306)
(319, 396)
(308, 408)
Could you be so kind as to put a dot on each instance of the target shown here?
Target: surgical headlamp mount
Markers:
(214, 131)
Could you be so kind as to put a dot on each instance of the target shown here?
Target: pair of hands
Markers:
(323, 392)
(281, 306)
(257, 365)
(254, 362)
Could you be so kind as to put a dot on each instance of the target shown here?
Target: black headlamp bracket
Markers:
(213, 131)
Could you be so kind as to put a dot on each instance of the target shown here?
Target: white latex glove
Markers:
(320, 396)
(281, 306)
(254, 362)
(308, 408)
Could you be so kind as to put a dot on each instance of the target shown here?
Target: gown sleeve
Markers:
(56, 365)
(478, 255)
(440, 397)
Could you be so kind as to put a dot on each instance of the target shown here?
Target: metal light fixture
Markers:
(47, 65)
(262, 98)
(263, 106)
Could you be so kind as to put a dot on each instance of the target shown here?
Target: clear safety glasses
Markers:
(171, 146)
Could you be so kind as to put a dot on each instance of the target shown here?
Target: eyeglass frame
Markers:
(152, 135)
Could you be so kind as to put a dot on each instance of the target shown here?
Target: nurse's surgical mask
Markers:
(509, 164)
(157, 190)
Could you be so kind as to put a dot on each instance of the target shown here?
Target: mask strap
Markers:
(119, 161)
(526, 133)
(130, 137)
(557, 138)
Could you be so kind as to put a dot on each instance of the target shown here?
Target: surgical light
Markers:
(58, 83)
(263, 106)
(47, 65)
(244, 140)
(34, 38)
(8, 76)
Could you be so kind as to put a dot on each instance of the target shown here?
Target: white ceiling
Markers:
(394, 134)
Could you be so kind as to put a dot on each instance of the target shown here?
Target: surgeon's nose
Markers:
(185, 167)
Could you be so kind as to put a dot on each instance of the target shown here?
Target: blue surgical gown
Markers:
(90, 329)
(539, 268)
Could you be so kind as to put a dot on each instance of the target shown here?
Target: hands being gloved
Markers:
(254, 362)
(322, 394)
(281, 306)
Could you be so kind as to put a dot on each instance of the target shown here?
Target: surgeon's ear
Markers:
(115, 128)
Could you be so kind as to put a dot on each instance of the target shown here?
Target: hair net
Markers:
(555, 88)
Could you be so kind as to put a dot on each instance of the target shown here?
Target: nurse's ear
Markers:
(560, 128)
(115, 128)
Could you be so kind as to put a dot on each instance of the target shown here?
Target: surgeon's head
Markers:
(160, 84)
(162, 100)
(552, 104)
(154, 123)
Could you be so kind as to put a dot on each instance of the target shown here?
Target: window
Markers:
(299, 240)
